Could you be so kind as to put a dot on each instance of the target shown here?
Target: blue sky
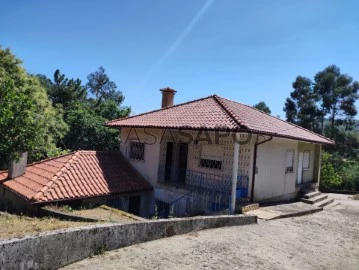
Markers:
(248, 51)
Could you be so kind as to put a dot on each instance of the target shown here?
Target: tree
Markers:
(103, 88)
(263, 107)
(338, 93)
(301, 107)
(87, 131)
(28, 122)
(331, 96)
(62, 90)
(85, 115)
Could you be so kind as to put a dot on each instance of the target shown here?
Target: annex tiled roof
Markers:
(216, 113)
(77, 175)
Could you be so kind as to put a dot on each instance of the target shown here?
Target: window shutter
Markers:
(212, 152)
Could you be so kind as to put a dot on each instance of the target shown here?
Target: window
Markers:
(306, 160)
(289, 167)
(211, 156)
(137, 150)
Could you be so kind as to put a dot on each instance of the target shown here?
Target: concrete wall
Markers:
(13, 203)
(148, 167)
(272, 180)
(146, 206)
(56, 249)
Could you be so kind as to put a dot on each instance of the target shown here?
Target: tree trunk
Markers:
(333, 118)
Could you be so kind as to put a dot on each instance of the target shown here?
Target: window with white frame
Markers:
(289, 167)
(306, 160)
(137, 150)
(211, 156)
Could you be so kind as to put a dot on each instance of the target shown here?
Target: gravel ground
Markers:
(324, 240)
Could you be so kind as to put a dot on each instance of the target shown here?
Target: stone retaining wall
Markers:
(55, 249)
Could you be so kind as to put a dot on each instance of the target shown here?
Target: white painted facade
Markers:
(272, 182)
(148, 167)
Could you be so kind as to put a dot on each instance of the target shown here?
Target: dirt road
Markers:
(324, 240)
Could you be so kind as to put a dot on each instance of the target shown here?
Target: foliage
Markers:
(51, 117)
(332, 95)
(301, 107)
(338, 93)
(62, 90)
(100, 250)
(66, 208)
(346, 142)
(87, 131)
(28, 121)
(338, 173)
(329, 178)
(103, 88)
(86, 116)
(262, 106)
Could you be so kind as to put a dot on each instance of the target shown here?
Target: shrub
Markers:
(329, 178)
(339, 173)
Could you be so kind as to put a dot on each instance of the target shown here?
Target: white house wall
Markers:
(148, 167)
(271, 179)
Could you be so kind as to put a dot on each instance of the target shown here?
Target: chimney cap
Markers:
(168, 89)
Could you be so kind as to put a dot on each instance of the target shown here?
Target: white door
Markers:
(300, 168)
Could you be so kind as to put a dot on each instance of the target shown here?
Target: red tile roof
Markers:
(77, 175)
(217, 113)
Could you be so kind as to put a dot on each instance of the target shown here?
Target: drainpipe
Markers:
(232, 207)
(255, 164)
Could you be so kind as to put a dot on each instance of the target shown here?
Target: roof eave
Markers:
(90, 197)
(327, 142)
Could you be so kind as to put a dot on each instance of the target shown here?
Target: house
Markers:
(203, 155)
(82, 178)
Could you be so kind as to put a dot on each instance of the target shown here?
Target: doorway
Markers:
(300, 168)
(134, 205)
(182, 162)
(168, 164)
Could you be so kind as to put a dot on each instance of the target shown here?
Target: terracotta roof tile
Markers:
(215, 112)
(77, 175)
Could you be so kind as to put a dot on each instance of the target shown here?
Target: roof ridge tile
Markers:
(229, 111)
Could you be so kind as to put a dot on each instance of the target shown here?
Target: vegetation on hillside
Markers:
(47, 117)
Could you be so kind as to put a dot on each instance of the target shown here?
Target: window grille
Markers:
(137, 150)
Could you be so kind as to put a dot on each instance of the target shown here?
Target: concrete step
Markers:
(324, 202)
(315, 199)
(311, 195)
(332, 206)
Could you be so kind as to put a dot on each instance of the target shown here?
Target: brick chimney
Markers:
(17, 168)
(167, 97)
